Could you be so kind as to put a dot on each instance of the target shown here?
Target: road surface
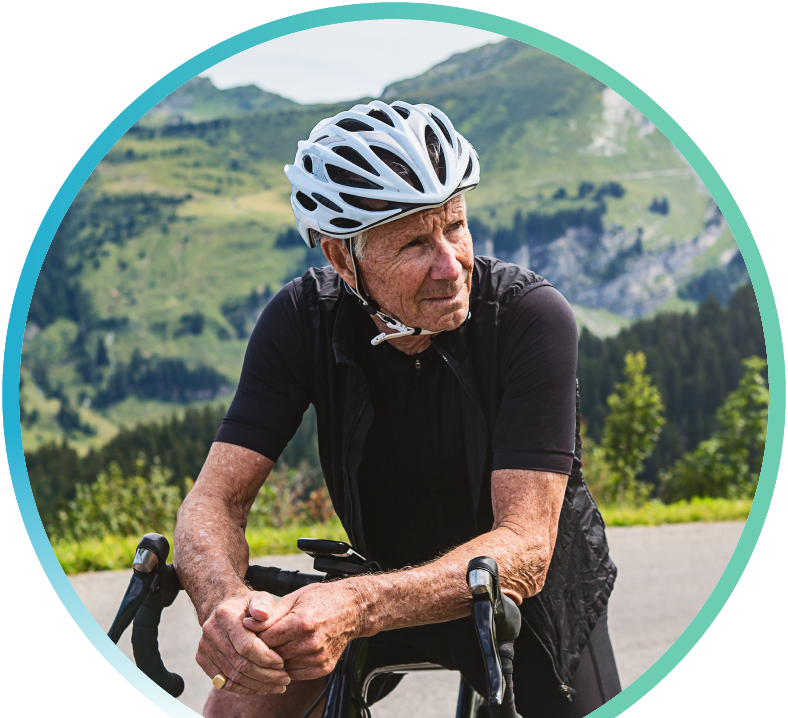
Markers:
(666, 573)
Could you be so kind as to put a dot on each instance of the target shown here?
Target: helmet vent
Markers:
(306, 202)
(398, 165)
(443, 129)
(349, 154)
(381, 116)
(321, 138)
(401, 111)
(435, 152)
(327, 202)
(369, 204)
(345, 223)
(352, 125)
(468, 169)
(349, 179)
(308, 163)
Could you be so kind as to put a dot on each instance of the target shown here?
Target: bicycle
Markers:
(154, 586)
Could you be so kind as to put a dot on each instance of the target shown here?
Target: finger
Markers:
(292, 627)
(262, 665)
(261, 605)
(231, 637)
(248, 645)
(241, 673)
(275, 612)
(212, 670)
(250, 624)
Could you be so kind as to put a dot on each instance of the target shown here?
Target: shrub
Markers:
(121, 505)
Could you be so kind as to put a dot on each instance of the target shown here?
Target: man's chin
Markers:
(448, 321)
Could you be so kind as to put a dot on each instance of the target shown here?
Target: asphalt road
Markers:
(666, 573)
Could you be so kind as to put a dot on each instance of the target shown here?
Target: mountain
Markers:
(184, 231)
(198, 101)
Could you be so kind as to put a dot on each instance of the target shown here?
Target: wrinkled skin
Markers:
(419, 270)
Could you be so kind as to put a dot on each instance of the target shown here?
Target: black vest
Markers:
(581, 574)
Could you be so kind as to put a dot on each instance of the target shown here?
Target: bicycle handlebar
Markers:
(145, 642)
(279, 581)
(155, 585)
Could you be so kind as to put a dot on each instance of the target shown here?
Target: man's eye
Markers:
(456, 225)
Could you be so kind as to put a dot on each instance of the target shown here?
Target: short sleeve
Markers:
(272, 393)
(535, 425)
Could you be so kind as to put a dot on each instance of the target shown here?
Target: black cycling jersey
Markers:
(414, 475)
(497, 393)
(536, 418)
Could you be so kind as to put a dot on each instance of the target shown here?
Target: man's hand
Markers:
(309, 628)
(228, 647)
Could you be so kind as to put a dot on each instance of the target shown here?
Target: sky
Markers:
(348, 61)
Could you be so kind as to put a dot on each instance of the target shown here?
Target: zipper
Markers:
(348, 495)
(566, 691)
(418, 367)
(462, 384)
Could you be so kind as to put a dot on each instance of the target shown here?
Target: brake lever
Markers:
(498, 621)
(486, 595)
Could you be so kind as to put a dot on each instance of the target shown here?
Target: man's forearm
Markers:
(437, 592)
(211, 553)
(521, 542)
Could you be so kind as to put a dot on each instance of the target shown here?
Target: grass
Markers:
(116, 552)
(655, 513)
(112, 553)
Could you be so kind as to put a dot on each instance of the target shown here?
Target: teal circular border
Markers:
(394, 11)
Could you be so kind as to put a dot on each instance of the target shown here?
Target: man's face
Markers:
(419, 268)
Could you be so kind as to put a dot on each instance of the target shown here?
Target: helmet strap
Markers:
(370, 306)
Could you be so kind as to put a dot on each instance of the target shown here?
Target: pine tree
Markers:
(728, 463)
(631, 429)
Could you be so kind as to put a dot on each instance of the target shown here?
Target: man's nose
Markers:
(445, 262)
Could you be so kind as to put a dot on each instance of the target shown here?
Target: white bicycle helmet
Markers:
(374, 164)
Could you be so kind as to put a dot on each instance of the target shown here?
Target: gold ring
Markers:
(219, 681)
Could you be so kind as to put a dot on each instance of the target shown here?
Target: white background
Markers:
(71, 68)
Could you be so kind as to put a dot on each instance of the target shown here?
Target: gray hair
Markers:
(358, 242)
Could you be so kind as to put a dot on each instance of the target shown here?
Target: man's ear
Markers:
(336, 252)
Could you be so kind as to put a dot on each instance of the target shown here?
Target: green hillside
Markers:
(177, 240)
(198, 100)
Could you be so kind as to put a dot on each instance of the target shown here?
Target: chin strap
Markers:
(370, 306)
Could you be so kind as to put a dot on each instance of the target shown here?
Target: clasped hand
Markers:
(261, 645)
(309, 628)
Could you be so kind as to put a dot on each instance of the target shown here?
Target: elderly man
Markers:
(445, 394)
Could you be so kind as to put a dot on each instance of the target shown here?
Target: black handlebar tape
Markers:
(279, 581)
(145, 642)
(509, 621)
(507, 708)
(135, 595)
